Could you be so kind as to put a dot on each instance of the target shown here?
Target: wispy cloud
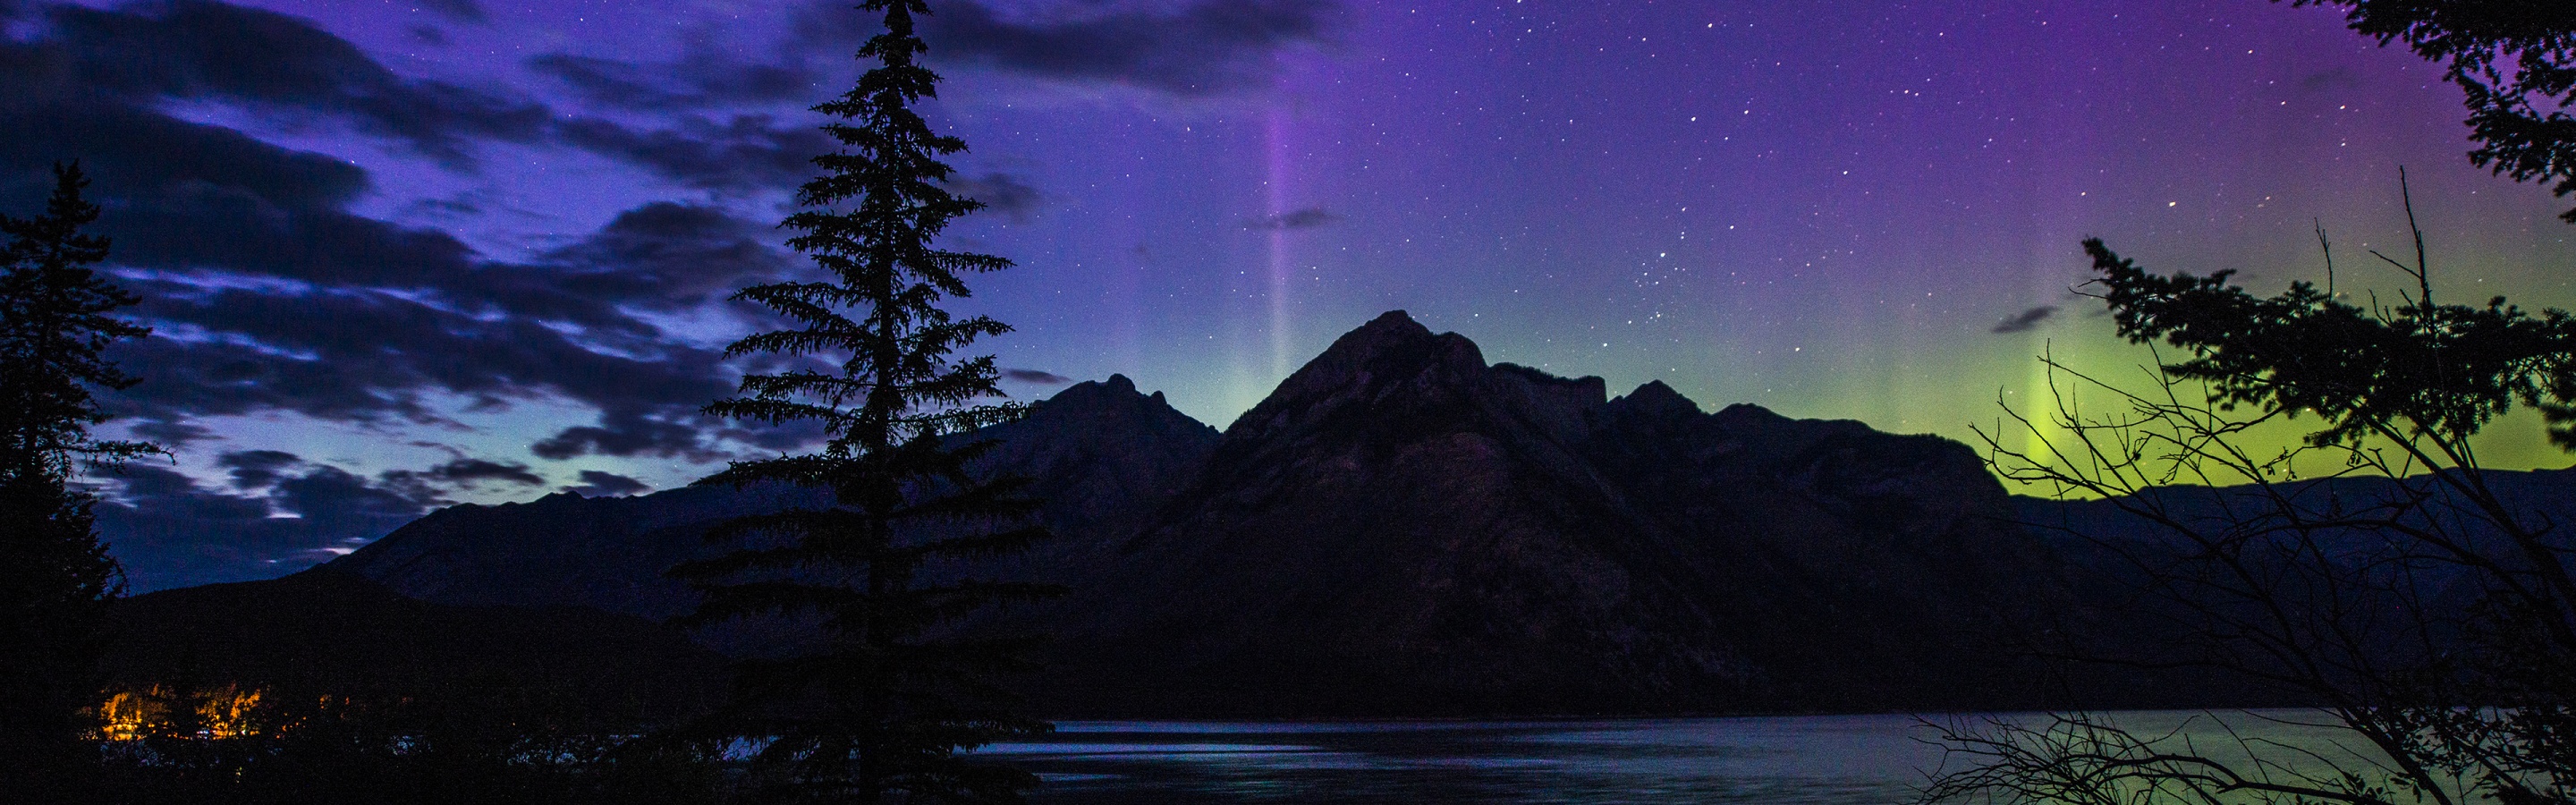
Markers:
(2025, 320)
(595, 483)
(1002, 193)
(1304, 218)
(1036, 376)
(1202, 48)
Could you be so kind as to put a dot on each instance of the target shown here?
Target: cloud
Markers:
(458, 10)
(92, 80)
(170, 532)
(2340, 78)
(1201, 48)
(238, 339)
(190, 195)
(1195, 48)
(199, 49)
(2025, 320)
(280, 514)
(270, 294)
(145, 156)
(169, 435)
(606, 484)
(1002, 193)
(258, 469)
(1035, 376)
(366, 355)
(632, 431)
(705, 75)
(469, 471)
(1305, 218)
(662, 256)
(746, 151)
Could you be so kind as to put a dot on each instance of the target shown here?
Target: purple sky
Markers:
(401, 254)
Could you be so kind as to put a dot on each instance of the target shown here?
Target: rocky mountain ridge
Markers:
(1404, 529)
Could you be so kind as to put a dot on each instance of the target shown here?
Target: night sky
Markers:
(402, 254)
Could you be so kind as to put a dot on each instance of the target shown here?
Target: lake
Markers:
(1823, 760)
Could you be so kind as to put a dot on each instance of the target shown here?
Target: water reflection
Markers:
(1815, 760)
(1840, 760)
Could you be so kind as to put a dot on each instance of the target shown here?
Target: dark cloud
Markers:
(705, 75)
(257, 469)
(333, 495)
(1035, 376)
(563, 326)
(430, 35)
(198, 49)
(370, 356)
(169, 435)
(602, 484)
(1306, 218)
(662, 256)
(2340, 78)
(636, 430)
(743, 152)
(281, 513)
(1002, 193)
(469, 471)
(189, 195)
(359, 355)
(1204, 47)
(2025, 320)
(271, 295)
(143, 156)
(560, 329)
(605, 81)
(93, 79)
(170, 532)
(231, 229)
(458, 10)
(449, 206)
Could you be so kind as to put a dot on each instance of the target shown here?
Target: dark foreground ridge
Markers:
(328, 633)
(1402, 529)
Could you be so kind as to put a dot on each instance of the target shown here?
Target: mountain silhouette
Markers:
(1402, 528)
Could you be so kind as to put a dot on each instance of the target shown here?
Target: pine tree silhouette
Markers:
(881, 711)
(55, 577)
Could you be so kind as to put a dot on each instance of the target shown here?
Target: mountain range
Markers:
(1403, 529)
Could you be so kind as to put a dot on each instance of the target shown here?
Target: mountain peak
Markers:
(1364, 364)
(1115, 391)
(1110, 408)
(1393, 373)
(1393, 320)
(1396, 332)
(1659, 401)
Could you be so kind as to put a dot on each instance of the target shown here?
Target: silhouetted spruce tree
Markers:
(2515, 59)
(2431, 615)
(55, 577)
(881, 711)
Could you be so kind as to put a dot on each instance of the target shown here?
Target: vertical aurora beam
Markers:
(1275, 224)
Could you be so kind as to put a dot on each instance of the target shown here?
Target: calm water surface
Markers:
(1825, 760)
(1842, 759)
